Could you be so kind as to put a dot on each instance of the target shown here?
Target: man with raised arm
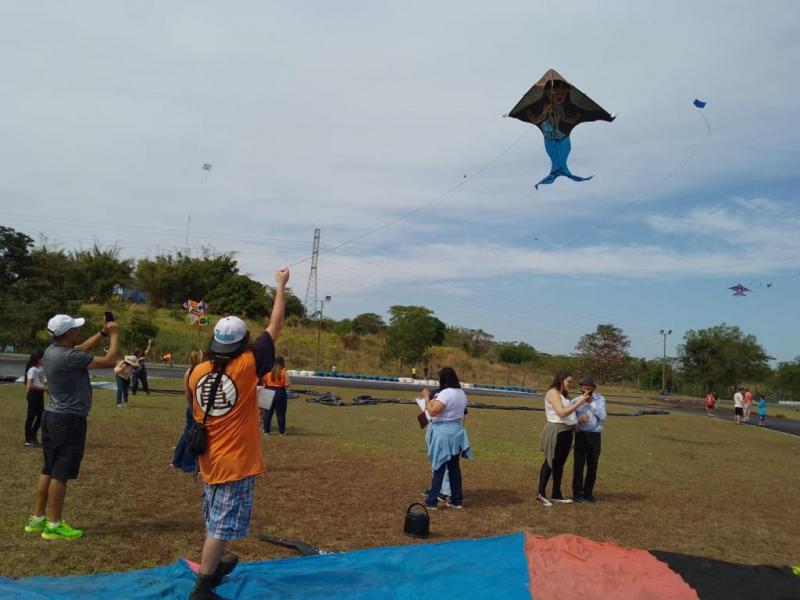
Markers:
(224, 388)
(66, 367)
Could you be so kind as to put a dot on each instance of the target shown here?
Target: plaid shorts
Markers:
(227, 507)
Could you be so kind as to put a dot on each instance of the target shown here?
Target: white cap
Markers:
(228, 333)
(61, 324)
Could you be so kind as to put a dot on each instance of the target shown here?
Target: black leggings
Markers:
(34, 418)
(563, 446)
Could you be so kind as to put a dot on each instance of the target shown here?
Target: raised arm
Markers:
(554, 398)
(434, 407)
(279, 305)
(110, 357)
(148, 348)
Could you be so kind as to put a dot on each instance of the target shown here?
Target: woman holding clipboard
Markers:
(446, 437)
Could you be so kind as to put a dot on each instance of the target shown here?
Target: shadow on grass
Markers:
(493, 497)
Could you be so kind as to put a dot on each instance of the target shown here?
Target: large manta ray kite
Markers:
(556, 106)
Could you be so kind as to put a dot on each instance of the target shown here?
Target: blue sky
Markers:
(347, 115)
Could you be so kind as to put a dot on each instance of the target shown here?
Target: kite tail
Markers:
(558, 151)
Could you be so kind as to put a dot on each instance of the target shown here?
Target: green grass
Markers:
(343, 477)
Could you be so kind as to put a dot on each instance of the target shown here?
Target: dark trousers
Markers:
(563, 446)
(122, 390)
(278, 408)
(453, 468)
(137, 376)
(587, 454)
(34, 418)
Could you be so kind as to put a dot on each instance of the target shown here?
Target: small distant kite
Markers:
(207, 166)
(556, 106)
(699, 104)
(739, 290)
(207, 169)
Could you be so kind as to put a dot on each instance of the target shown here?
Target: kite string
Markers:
(422, 207)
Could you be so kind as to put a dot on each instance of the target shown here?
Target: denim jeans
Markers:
(453, 468)
(122, 390)
(278, 408)
(139, 376)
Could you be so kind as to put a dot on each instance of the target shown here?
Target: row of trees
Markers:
(37, 281)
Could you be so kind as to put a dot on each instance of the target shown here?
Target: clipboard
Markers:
(423, 418)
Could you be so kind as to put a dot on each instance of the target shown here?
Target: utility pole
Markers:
(319, 324)
(311, 288)
(664, 333)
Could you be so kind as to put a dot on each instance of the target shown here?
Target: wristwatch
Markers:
(103, 333)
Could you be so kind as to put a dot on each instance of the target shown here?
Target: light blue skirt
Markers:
(446, 440)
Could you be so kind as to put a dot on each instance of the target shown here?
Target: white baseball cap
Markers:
(228, 334)
(61, 324)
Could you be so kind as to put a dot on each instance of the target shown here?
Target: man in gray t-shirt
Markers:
(66, 366)
(67, 371)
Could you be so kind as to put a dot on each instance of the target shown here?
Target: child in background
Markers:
(277, 380)
(762, 411)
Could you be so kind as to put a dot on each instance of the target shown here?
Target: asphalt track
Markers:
(12, 365)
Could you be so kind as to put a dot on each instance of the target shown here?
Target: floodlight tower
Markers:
(311, 288)
(665, 333)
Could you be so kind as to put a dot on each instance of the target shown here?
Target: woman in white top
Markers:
(556, 438)
(446, 437)
(37, 386)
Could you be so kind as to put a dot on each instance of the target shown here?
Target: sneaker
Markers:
(543, 501)
(29, 444)
(451, 505)
(578, 498)
(561, 500)
(590, 498)
(431, 506)
(62, 531)
(441, 497)
(226, 564)
(35, 524)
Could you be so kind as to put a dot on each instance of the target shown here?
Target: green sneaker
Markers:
(62, 531)
(35, 524)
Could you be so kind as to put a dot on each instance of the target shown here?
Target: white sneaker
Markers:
(561, 500)
(543, 501)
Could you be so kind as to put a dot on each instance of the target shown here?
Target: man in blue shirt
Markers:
(587, 442)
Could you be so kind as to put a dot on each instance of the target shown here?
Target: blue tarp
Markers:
(484, 568)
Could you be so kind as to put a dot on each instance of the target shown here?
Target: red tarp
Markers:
(566, 567)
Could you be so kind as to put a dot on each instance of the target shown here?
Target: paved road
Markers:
(12, 365)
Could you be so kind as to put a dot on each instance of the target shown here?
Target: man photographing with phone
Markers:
(66, 367)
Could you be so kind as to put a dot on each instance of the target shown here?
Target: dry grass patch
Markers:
(343, 477)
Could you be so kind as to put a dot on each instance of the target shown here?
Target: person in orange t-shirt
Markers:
(277, 380)
(233, 454)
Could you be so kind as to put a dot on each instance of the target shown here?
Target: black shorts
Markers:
(738, 411)
(63, 442)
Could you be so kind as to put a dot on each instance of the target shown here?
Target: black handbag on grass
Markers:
(197, 441)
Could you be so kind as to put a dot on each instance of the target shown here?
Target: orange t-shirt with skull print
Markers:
(233, 425)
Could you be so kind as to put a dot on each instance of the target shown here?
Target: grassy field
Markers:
(343, 477)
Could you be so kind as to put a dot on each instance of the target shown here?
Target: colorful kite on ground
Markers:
(739, 290)
(556, 106)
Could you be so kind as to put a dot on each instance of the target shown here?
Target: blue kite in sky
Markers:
(556, 106)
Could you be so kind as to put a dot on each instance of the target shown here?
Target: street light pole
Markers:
(319, 325)
(664, 333)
